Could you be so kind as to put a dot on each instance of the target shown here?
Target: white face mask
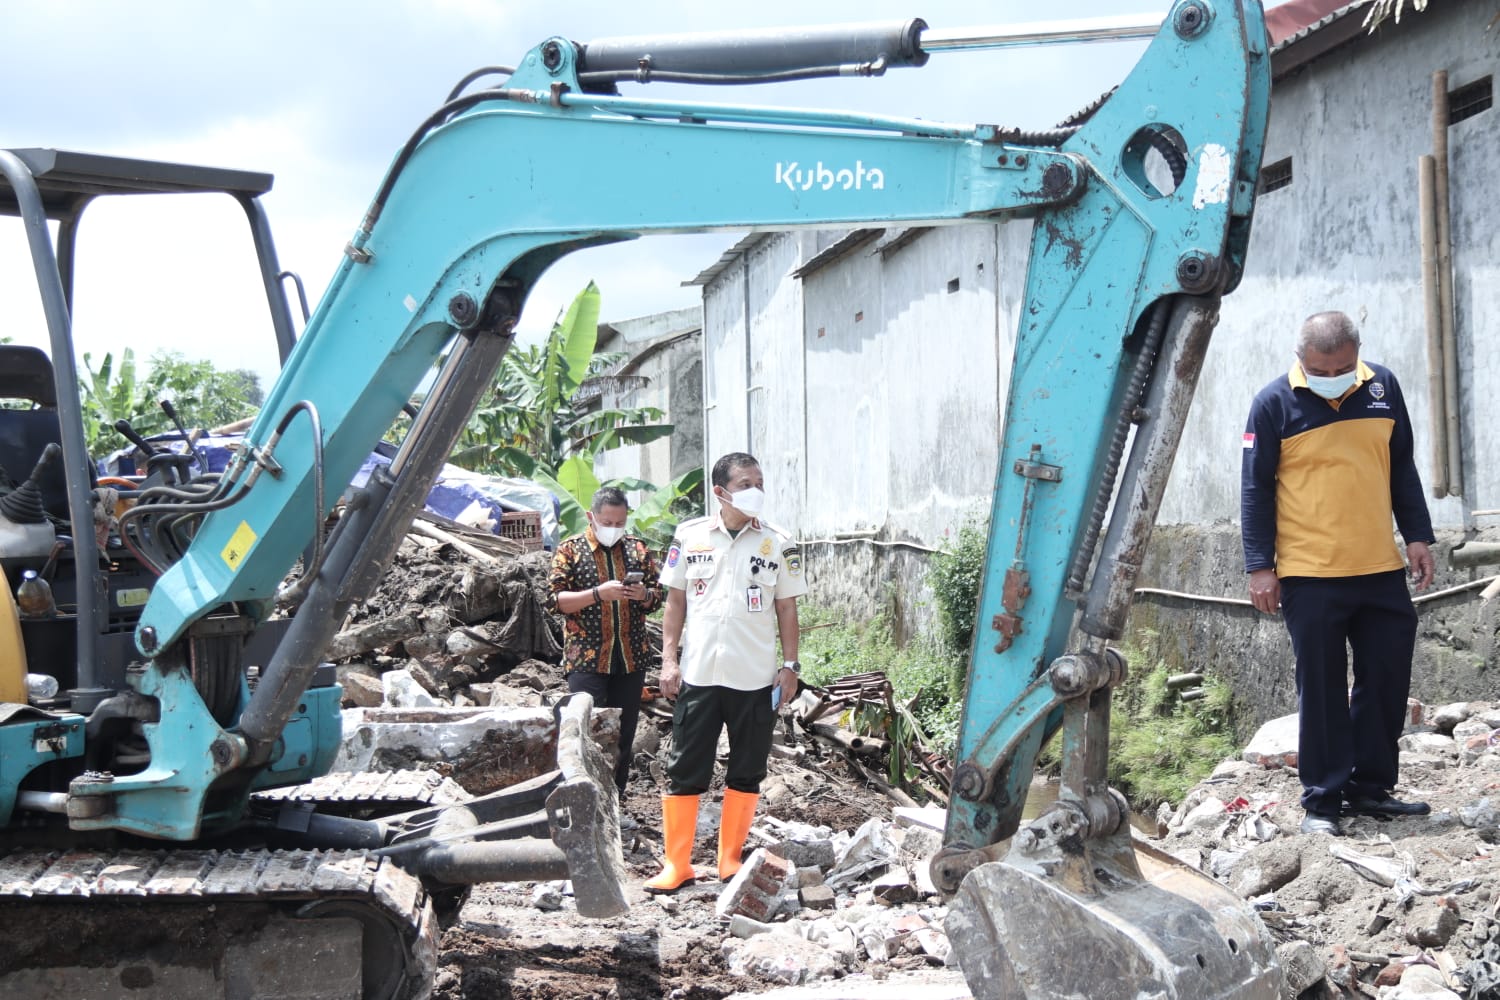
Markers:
(1330, 386)
(749, 501)
(608, 536)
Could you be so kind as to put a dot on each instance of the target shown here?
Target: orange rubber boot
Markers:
(734, 827)
(679, 825)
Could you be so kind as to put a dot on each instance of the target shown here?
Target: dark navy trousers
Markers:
(615, 690)
(1347, 738)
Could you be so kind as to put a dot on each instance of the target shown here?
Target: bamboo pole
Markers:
(1445, 280)
(1432, 299)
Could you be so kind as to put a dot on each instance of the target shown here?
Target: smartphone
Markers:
(634, 576)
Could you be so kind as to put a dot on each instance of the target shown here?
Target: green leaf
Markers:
(571, 345)
(577, 477)
(658, 503)
(570, 512)
(630, 485)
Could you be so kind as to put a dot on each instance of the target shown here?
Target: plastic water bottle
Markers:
(34, 596)
(40, 687)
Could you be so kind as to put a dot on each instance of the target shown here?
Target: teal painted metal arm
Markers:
(503, 183)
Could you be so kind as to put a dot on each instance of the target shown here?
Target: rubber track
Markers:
(284, 880)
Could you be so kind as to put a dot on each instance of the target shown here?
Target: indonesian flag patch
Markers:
(1249, 441)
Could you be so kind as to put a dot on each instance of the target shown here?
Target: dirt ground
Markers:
(500, 945)
(1348, 913)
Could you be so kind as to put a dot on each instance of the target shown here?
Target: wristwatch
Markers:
(793, 666)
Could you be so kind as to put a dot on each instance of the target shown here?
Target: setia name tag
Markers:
(753, 599)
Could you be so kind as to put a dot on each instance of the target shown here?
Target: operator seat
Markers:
(26, 374)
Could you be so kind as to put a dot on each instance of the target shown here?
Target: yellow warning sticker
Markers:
(132, 597)
(239, 545)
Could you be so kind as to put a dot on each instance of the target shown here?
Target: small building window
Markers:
(1470, 99)
(1275, 176)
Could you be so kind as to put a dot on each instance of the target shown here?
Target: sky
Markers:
(323, 93)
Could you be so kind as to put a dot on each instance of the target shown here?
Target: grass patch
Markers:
(919, 672)
(1159, 745)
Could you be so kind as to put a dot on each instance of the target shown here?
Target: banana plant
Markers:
(111, 394)
(541, 422)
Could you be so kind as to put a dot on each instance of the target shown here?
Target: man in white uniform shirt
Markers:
(732, 587)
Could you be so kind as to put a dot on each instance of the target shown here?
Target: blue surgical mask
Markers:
(1330, 386)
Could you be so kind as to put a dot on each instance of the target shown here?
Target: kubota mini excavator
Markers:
(131, 799)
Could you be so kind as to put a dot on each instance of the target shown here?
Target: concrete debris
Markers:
(817, 854)
(1428, 743)
(1479, 815)
(1423, 982)
(363, 688)
(1221, 862)
(781, 959)
(868, 850)
(895, 887)
(484, 749)
(1264, 869)
(1274, 744)
(547, 897)
(1302, 966)
(917, 842)
(808, 877)
(1444, 719)
(1470, 728)
(399, 689)
(741, 926)
(1205, 815)
(1432, 923)
(926, 817)
(816, 897)
(1381, 871)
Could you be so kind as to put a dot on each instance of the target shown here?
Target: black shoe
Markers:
(1386, 805)
(1314, 823)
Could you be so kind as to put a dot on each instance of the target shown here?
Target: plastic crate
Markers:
(524, 526)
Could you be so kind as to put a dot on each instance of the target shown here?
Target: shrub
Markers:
(1159, 745)
(955, 575)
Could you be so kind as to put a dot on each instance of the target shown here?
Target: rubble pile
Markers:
(1394, 908)
(462, 614)
(452, 666)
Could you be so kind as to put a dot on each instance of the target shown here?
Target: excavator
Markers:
(142, 851)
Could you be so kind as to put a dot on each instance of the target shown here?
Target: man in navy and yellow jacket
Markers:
(1328, 461)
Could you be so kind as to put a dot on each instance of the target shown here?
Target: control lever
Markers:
(173, 467)
(190, 439)
(129, 433)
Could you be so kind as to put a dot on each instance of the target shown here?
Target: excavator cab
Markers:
(81, 706)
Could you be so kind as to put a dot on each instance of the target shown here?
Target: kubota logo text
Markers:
(798, 178)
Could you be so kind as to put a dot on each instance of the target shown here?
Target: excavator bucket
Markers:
(560, 825)
(584, 817)
(1116, 920)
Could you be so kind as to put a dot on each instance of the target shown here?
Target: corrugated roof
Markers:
(1295, 19)
(838, 249)
(725, 259)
